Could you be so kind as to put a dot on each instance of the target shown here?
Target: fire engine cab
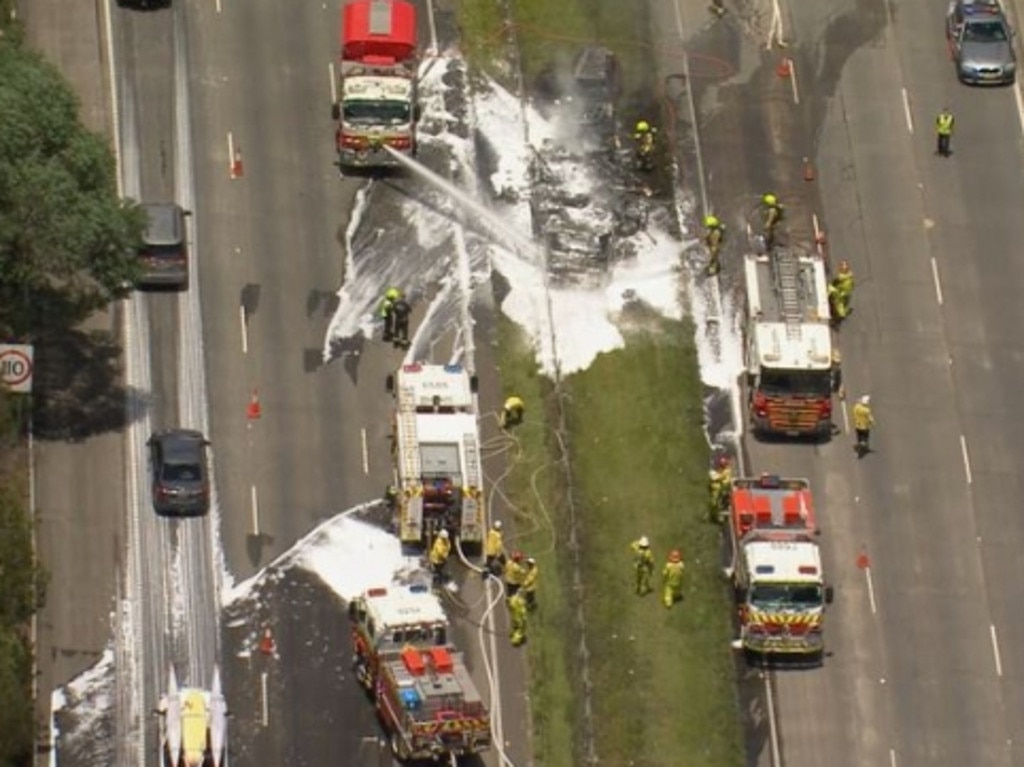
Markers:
(788, 344)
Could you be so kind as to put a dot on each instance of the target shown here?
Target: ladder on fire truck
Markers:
(408, 447)
(787, 284)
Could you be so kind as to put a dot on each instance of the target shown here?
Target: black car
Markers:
(181, 478)
(144, 4)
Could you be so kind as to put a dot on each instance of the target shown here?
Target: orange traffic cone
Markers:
(236, 164)
(785, 67)
(267, 644)
(253, 409)
(862, 561)
(808, 170)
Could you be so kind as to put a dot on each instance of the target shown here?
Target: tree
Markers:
(66, 240)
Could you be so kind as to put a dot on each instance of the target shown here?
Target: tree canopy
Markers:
(66, 239)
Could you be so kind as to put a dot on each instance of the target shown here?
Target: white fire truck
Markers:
(436, 446)
(418, 680)
(776, 570)
(788, 344)
(193, 724)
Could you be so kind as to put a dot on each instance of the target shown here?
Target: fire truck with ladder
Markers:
(419, 683)
(436, 446)
(788, 344)
(776, 569)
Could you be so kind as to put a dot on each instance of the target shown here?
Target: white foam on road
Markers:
(347, 554)
(85, 707)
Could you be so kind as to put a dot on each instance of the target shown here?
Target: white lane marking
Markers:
(995, 649)
(938, 282)
(846, 418)
(218, 6)
(871, 590)
(255, 506)
(892, 757)
(334, 83)
(263, 695)
(967, 459)
(773, 727)
(906, 111)
(1020, 104)
(817, 234)
(243, 318)
(775, 28)
(366, 451)
(115, 107)
(231, 155)
(792, 81)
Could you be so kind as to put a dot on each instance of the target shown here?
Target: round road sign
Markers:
(15, 367)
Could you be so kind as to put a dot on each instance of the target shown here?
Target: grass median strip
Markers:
(663, 680)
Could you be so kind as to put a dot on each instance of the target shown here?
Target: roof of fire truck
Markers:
(451, 383)
(773, 517)
(782, 343)
(397, 606)
(783, 561)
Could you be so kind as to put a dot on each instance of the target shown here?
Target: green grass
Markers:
(663, 680)
(550, 33)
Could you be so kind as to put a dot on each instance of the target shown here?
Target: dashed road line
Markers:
(333, 83)
(792, 82)
(366, 451)
(255, 508)
(892, 757)
(1020, 104)
(967, 459)
(995, 649)
(871, 590)
(244, 319)
(906, 111)
(938, 282)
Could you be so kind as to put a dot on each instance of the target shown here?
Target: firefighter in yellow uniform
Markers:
(840, 292)
(494, 550)
(672, 578)
(719, 484)
(515, 574)
(714, 235)
(513, 411)
(517, 619)
(643, 564)
(439, 553)
(863, 420)
(773, 213)
(530, 583)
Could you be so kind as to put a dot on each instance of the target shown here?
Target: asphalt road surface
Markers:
(924, 661)
(272, 254)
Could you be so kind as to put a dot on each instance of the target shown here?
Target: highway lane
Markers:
(903, 209)
(753, 136)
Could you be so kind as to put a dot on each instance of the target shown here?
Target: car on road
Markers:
(181, 477)
(163, 255)
(981, 42)
(144, 4)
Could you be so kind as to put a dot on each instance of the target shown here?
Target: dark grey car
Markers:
(181, 484)
(164, 251)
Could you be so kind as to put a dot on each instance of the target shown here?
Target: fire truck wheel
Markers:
(398, 747)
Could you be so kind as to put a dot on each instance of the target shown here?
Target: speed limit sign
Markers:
(16, 367)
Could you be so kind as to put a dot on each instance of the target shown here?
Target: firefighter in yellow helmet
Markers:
(439, 552)
(644, 135)
(840, 292)
(512, 412)
(494, 550)
(515, 574)
(529, 590)
(517, 619)
(863, 420)
(672, 579)
(643, 564)
(719, 484)
(714, 236)
(386, 310)
(773, 213)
